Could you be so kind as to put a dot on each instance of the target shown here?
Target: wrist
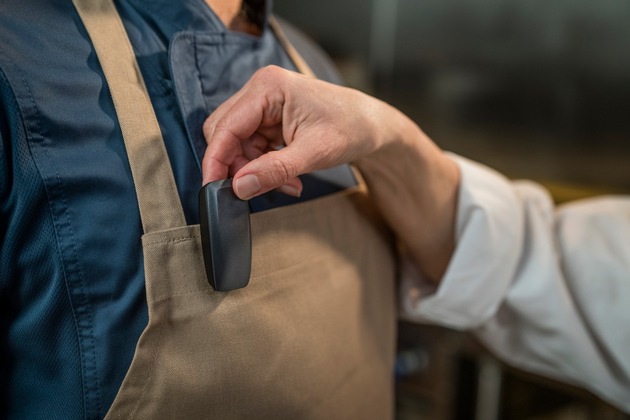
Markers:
(415, 186)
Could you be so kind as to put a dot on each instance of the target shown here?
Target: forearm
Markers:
(415, 186)
(322, 125)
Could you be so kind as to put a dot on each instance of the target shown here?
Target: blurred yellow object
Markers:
(563, 192)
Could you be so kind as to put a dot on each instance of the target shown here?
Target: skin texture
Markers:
(412, 181)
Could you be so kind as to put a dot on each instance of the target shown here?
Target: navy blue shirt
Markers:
(72, 298)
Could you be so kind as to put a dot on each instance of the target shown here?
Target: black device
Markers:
(225, 236)
(225, 226)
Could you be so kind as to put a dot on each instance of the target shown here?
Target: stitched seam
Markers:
(174, 240)
(181, 105)
(258, 277)
(82, 332)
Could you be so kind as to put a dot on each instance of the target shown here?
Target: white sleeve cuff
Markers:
(489, 238)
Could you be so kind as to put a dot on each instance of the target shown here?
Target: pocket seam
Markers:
(257, 277)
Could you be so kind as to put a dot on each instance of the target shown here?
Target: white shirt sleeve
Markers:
(547, 289)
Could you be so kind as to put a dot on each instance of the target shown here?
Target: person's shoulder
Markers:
(321, 64)
(18, 19)
(26, 27)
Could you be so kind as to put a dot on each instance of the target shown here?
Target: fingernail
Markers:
(290, 190)
(247, 186)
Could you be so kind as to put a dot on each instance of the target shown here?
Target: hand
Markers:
(322, 125)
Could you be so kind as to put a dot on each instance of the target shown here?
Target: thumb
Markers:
(276, 169)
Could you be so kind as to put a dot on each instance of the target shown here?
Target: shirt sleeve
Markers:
(546, 289)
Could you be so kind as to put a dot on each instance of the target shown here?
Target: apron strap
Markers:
(298, 61)
(158, 199)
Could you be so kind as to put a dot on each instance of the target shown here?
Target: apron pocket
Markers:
(311, 336)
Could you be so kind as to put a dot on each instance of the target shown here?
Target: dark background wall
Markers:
(535, 88)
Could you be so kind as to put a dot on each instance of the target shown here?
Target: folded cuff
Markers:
(489, 239)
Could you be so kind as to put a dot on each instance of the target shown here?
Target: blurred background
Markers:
(537, 89)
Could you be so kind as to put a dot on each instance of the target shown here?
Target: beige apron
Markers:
(312, 336)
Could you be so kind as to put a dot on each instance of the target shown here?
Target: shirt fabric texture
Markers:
(545, 288)
(72, 296)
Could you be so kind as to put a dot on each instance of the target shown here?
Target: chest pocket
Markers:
(208, 67)
(311, 336)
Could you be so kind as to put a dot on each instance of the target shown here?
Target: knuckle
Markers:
(269, 73)
(281, 171)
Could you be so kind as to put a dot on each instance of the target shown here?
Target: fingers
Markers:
(277, 169)
(321, 125)
(293, 188)
(257, 107)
